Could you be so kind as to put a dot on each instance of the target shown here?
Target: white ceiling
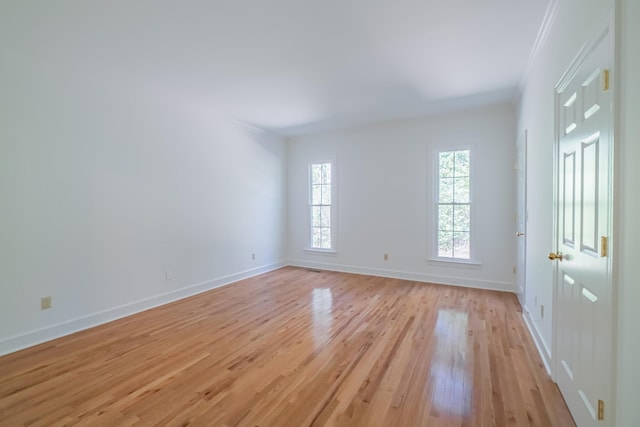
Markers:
(290, 66)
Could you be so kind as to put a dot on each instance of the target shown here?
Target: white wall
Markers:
(628, 273)
(104, 187)
(574, 23)
(384, 173)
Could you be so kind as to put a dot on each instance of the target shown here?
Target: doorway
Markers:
(583, 228)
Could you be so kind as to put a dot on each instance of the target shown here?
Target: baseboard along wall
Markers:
(39, 336)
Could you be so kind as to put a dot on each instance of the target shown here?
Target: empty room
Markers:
(306, 213)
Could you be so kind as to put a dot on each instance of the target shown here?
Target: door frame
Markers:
(521, 265)
(607, 25)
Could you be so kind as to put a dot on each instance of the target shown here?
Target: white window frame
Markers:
(334, 202)
(433, 226)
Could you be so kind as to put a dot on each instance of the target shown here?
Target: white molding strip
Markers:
(406, 275)
(543, 350)
(541, 38)
(254, 129)
(38, 336)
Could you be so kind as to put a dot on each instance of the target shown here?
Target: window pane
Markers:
(462, 163)
(326, 173)
(326, 194)
(445, 217)
(316, 237)
(325, 216)
(461, 245)
(326, 238)
(445, 244)
(316, 174)
(461, 190)
(445, 194)
(445, 165)
(316, 194)
(462, 218)
(315, 216)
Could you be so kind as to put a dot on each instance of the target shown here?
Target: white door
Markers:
(521, 214)
(583, 325)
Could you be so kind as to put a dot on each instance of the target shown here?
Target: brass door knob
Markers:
(555, 256)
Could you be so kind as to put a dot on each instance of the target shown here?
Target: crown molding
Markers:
(541, 38)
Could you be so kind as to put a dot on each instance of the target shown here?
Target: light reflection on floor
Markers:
(322, 315)
(451, 382)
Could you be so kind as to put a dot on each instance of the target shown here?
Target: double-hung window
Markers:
(454, 205)
(321, 206)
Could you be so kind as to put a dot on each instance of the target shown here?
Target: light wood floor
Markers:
(294, 348)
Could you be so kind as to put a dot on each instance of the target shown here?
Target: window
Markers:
(321, 206)
(454, 205)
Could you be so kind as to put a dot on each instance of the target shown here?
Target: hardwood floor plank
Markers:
(294, 348)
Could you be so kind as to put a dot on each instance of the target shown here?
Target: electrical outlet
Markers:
(542, 311)
(253, 257)
(514, 269)
(168, 275)
(386, 257)
(45, 303)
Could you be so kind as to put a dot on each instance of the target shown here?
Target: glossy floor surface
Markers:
(294, 348)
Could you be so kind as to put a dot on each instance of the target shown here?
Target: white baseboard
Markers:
(31, 338)
(407, 275)
(545, 354)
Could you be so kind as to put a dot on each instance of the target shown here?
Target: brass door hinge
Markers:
(600, 410)
(604, 246)
(605, 80)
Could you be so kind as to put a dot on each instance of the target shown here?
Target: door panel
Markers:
(582, 276)
(569, 198)
(589, 196)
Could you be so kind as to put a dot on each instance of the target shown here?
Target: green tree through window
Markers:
(320, 204)
(454, 204)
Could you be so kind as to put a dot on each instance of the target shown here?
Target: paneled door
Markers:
(583, 322)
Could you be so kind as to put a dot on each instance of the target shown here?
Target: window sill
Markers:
(450, 262)
(317, 251)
